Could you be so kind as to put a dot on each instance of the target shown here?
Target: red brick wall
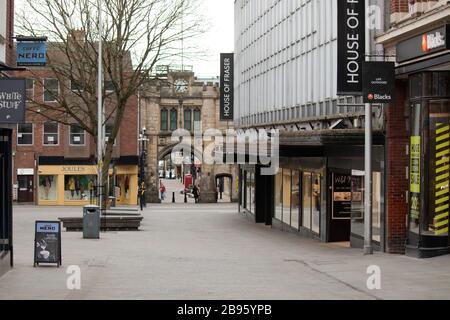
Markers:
(10, 57)
(397, 162)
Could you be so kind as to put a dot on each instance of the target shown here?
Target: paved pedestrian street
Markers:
(188, 251)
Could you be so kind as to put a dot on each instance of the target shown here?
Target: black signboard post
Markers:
(47, 243)
(378, 82)
(342, 196)
(226, 86)
(351, 46)
(12, 100)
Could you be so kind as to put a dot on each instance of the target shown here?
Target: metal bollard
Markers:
(185, 197)
(173, 197)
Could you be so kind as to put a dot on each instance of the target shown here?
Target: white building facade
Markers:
(286, 78)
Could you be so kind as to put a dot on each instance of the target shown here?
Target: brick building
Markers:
(417, 127)
(178, 100)
(55, 163)
(6, 60)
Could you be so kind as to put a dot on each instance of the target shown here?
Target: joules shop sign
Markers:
(351, 46)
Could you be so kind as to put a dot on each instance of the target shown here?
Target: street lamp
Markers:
(143, 154)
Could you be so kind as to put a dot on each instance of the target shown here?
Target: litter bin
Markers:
(91, 222)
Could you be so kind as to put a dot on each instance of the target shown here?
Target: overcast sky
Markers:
(220, 37)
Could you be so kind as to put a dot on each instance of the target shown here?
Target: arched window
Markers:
(173, 120)
(197, 119)
(188, 119)
(164, 120)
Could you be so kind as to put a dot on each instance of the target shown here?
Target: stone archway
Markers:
(224, 183)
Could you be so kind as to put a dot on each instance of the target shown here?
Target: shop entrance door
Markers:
(26, 187)
(341, 206)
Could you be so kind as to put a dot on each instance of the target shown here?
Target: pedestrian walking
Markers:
(196, 193)
(162, 190)
(142, 195)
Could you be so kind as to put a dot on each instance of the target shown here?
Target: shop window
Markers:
(51, 133)
(108, 132)
(79, 187)
(109, 86)
(279, 196)
(48, 188)
(76, 87)
(357, 204)
(316, 203)
(287, 196)
(25, 134)
(415, 168)
(249, 192)
(30, 89)
(307, 188)
(164, 120)
(77, 135)
(173, 120)
(51, 90)
(295, 199)
(436, 219)
(188, 120)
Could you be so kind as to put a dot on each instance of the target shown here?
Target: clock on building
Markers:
(181, 86)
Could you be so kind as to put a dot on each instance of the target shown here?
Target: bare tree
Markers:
(137, 36)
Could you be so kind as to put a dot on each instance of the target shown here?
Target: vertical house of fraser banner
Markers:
(226, 86)
(351, 46)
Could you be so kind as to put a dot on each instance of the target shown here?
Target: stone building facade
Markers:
(179, 100)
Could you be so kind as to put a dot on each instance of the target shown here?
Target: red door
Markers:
(26, 188)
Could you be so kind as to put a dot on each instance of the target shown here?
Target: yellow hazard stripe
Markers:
(441, 216)
(442, 130)
(442, 145)
(440, 232)
(442, 177)
(441, 208)
(442, 192)
(442, 169)
(442, 200)
(443, 137)
(442, 153)
(441, 224)
(442, 161)
(441, 185)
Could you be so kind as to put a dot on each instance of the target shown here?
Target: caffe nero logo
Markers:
(432, 41)
(379, 97)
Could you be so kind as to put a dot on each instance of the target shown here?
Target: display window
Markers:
(48, 188)
(79, 187)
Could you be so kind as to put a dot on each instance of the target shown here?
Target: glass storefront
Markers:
(76, 184)
(248, 191)
(79, 187)
(429, 159)
(48, 187)
(298, 199)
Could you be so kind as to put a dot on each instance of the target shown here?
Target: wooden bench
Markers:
(107, 223)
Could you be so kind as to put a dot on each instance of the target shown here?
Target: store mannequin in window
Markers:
(71, 187)
(127, 187)
(47, 184)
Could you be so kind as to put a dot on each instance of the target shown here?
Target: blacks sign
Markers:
(378, 82)
(351, 46)
(226, 86)
(423, 44)
(12, 100)
(47, 242)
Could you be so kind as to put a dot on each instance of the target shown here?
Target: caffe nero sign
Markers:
(378, 82)
(351, 46)
(12, 100)
(424, 44)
